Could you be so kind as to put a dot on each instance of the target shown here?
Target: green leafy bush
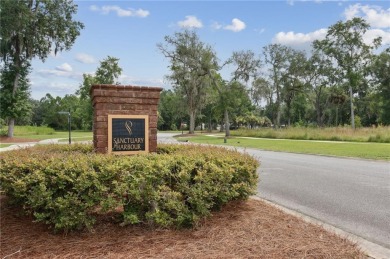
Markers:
(66, 186)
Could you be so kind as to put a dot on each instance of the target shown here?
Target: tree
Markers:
(191, 65)
(107, 73)
(31, 29)
(246, 67)
(381, 76)
(321, 77)
(231, 100)
(233, 93)
(262, 90)
(170, 111)
(50, 107)
(344, 43)
(246, 64)
(293, 80)
(14, 104)
(37, 113)
(277, 58)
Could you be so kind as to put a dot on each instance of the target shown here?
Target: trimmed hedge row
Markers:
(67, 186)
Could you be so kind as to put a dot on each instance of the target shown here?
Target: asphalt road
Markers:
(350, 194)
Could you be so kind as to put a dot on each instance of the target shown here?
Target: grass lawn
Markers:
(76, 139)
(41, 133)
(60, 134)
(4, 145)
(377, 151)
(379, 134)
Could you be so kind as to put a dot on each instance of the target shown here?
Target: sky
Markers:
(131, 30)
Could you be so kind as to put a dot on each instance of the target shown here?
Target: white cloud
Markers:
(94, 8)
(290, 2)
(65, 68)
(374, 15)
(62, 86)
(129, 12)
(129, 80)
(59, 73)
(375, 33)
(377, 17)
(190, 22)
(85, 58)
(236, 26)
(305, 39)
(216, 26)
(41, 87)
(294, 39)
(142, 13)
(260, 31)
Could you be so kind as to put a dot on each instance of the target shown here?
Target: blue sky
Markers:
(130, 31)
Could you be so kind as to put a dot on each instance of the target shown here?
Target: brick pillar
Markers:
(123, 100)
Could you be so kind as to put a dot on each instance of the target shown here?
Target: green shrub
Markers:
(65, 186)
(3, 131)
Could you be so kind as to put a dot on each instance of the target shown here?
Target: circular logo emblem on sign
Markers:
(128, 125)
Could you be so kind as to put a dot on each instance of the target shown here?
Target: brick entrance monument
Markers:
(125, 118)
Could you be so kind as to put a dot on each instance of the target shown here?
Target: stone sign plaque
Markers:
(128, 134)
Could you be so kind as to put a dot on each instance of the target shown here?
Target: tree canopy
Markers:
(108, 72)
(342, 81)
(191, 66)
(33, 29)
(344, 43)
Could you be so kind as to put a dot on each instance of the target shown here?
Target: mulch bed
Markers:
(250, 229)
(6, 140)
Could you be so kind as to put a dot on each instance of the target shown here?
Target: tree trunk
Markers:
(227, 124)
(352, 112)
(192, 122)
(11, 124)
(319, 117)
(278, 115)
(289, 114)
(278, 109)
(11, 121)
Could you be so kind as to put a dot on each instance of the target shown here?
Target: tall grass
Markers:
(29, 130)
(378, 134)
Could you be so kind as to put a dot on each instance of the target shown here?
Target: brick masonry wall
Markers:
(123, 100)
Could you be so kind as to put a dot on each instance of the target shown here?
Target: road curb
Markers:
(369, 248)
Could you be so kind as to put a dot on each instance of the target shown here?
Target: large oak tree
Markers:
(344, 43)
(33, 29)
(191, 66)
